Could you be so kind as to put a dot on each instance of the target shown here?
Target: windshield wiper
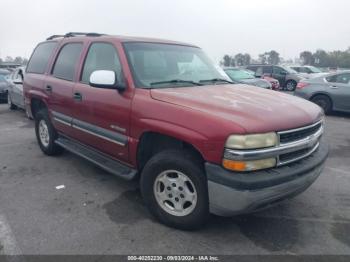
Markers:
(216, 80)
(176, 81)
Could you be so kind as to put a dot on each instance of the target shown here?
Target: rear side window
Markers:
(40, 57)
(66, 61)
(101, 56)
(341, 78)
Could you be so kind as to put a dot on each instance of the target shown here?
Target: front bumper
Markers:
(232, 193)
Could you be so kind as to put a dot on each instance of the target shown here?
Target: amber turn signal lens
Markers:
(248, 165)
(234, 165)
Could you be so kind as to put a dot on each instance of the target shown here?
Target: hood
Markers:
(256, 82)
(252, 108)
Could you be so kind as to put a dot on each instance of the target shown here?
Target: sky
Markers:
(218, 26)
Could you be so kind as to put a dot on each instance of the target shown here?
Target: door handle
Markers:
(77, 96)
(48, 88)
(334, 87)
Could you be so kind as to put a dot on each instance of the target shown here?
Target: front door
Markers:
(280, 74)
(339, 87)
(101, 116)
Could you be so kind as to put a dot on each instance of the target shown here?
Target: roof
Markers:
(119, 38)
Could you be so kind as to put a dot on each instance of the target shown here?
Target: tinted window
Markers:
(278, 70)
(40, 58)
(267, 69)
(66, 61)
(341, 78)
(252, 68)
(101, 56)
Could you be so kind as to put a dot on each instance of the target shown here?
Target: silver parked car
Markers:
(4, 84)
(331, 92)
(15, 96)
(244, 76)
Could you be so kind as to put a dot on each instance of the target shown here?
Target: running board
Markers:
(99, 159)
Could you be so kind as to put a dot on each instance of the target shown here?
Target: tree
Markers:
(239, 59)
(1, 61)
(307, 58)
(273, 57)
(8, 59)
(25, 61)
(228, 61)
(18, 60)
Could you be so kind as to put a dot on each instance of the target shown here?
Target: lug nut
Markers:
(182, 196)
(170, 195)
(169, 188)
(173, 184)
(176, 199)
(180, 188)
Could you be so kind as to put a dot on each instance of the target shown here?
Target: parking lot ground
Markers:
(97, 213)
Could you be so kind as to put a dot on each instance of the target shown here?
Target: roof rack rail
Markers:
(73, 34)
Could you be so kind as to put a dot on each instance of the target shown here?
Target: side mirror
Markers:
(105, 79)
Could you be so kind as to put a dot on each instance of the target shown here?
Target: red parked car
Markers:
(274, 82)
(158, 111)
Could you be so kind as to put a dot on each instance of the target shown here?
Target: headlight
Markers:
(252, 141)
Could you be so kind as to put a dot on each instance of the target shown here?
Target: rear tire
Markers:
(291, 85)
(46, 134)
(324, 102)
(174, 188)
(9, 102)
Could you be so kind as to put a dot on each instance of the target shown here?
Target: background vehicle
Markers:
(274, 82)
(287, 77)
(4, 84)
(239, 75)
(15, 95)
(308, 71)
(159, 110)
(331, 92)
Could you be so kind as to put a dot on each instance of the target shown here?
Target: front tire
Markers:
(46, 134)
(9, 102)
(291, 85)
(174, 188)
(324, 102)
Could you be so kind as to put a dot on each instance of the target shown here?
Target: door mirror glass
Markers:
(104, 79)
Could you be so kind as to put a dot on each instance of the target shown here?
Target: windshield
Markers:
(314, 69)
(237, 74)
(156, 65)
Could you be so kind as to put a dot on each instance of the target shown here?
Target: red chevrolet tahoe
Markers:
(159, 111)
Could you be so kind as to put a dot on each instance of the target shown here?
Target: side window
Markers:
(341, 78)
(40, 57)
(259, 71)
(101, 56)
(252, 68)
(278, 70)
(66, 61)
(267, 69)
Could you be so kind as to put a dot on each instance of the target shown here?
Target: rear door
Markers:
(101, 115)
(339, 88)
(60, 83)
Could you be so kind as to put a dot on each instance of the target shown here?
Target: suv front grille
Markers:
(298, 134)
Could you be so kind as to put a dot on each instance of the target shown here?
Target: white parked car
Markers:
(15, 95)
